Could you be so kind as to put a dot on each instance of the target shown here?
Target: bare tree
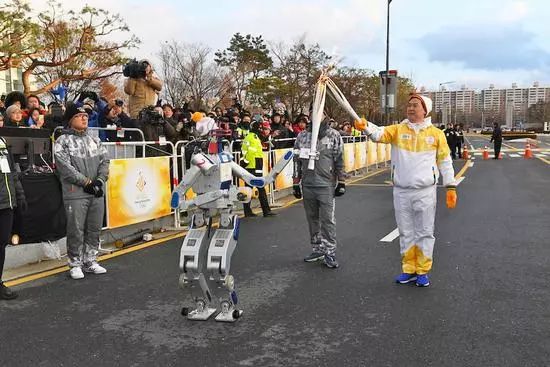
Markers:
(190, 74)
(299, 66)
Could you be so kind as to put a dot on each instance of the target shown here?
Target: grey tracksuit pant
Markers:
(319, 207)
(84, 222)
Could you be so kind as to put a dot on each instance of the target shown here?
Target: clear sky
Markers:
(470, 42)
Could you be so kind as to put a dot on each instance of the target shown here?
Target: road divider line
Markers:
(391, 236)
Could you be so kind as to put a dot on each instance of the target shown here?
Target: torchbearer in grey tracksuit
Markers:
(83, 168)
(319, 187)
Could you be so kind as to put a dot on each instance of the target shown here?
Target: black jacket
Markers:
(497, 134)
(11, 190)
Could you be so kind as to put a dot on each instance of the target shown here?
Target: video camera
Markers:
(135, 69)
(148, 115)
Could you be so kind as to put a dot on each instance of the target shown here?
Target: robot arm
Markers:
(249, 178)
(188, 180)
(265, 180)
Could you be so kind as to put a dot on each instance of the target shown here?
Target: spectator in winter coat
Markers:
(11, 196)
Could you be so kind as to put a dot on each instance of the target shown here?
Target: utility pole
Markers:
(386, 109)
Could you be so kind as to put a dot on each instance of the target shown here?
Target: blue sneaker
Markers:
(330, 261)
(405, 278)
(423, 280)
(314, 256)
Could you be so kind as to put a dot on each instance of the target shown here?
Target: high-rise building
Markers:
(10, 80)
(509, 105)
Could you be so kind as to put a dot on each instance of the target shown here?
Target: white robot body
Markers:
(205, 255)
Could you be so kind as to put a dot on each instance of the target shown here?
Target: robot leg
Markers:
(192, 268)
(220, 252)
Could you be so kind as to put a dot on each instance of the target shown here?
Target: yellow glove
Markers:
(361, 124)
(451, 197)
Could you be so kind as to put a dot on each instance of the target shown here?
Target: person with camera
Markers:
(155, 128)
(111, 115)
(12, 195)
(142, 86)
(319, 187)
(83, 167)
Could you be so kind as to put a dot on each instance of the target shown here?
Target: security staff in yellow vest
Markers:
(243, 127)
(252, 160)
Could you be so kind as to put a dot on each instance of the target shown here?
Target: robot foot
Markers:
(201, 313)
(229, 316)
(228, 313)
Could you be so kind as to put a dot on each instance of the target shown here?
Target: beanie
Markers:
(425, 101)
(11, 109)
(71, 110)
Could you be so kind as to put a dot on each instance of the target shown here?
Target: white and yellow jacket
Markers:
(419, 153)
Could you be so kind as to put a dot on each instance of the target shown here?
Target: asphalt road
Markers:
(488, 305)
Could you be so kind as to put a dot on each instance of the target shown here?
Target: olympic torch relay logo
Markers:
(140, 184)
(138, 190)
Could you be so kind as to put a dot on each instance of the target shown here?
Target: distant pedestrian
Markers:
(459, 140)
(496, 138)
(450, 135)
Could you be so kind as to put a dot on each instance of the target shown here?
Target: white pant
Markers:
(415, 217)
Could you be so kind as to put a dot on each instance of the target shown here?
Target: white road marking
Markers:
(514, 155)
(391, 236)
(460, 180)
(471, 164)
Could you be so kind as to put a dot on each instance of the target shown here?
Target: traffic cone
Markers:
(485, 153)
(465, 154)
(528, 153)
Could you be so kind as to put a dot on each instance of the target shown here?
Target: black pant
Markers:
(262, 195)
(6, 221)
(498, 144)
(459, 149)
(452, 147)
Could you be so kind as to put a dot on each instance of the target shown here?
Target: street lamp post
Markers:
(386, 109)
(443, 103)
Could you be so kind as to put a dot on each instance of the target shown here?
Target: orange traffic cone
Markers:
(465, 154)
(528, 153)
(485, 153)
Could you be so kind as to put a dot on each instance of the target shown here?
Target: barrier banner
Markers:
(284, 179)
(380, 153)
(371, 153)
(360, 155)
(349, 157)
(137, 190)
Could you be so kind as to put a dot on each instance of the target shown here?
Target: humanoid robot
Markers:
(206, 252)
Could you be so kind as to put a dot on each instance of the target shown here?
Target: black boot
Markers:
(6, 293)
(269, 214)
(248, 211)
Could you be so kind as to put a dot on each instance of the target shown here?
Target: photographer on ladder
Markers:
(141, 86)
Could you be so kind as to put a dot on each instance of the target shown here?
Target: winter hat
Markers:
(71, 110)
(425, 101)
(11, 109)
(197, 116)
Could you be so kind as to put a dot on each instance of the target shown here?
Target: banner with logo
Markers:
(284, 179)
(137, 190)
